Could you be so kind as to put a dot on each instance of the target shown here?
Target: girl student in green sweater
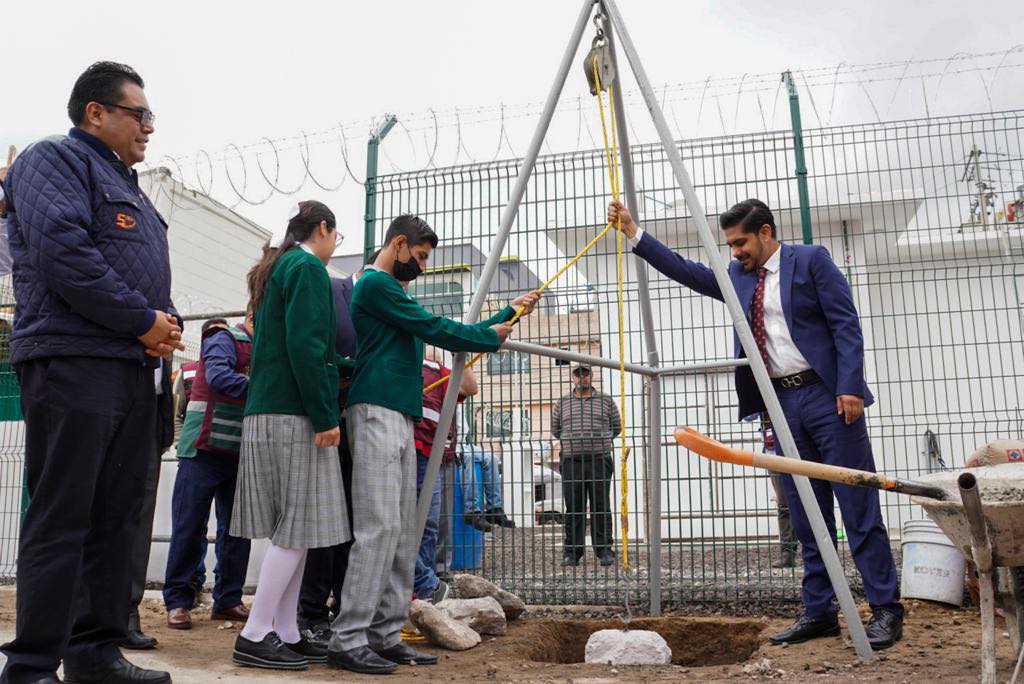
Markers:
(385, 398)
(289, 480)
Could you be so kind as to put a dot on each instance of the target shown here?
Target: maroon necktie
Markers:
(757, 316)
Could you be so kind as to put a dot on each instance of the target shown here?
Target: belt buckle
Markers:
(792, 381)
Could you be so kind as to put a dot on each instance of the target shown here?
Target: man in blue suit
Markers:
(801, 311)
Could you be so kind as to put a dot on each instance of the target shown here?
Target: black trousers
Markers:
(587, 479)
(85, 420)
(143, 541)
(324, 574)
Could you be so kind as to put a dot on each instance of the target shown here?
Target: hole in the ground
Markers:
(694, 641)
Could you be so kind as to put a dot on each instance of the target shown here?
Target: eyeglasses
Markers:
(141, 114)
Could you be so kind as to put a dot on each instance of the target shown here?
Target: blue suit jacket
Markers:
(817, 303)
(345, 339)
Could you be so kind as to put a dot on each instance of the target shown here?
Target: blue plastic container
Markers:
(467, 542)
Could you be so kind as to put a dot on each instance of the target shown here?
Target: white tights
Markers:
(275, 607)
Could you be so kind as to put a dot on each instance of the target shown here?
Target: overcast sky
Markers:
(233, 72)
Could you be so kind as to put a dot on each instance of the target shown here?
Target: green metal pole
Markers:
(801, 163)
(372, 150)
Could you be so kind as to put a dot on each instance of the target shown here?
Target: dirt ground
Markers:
(939, 643)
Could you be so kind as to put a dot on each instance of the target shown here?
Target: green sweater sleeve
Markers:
(394, 307)
(309, 307)
(502, 316)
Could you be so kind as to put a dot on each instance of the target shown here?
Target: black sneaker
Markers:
(441, 592)
(270, 654)
(570, 561)
(884, 629)
(606, 558)
(313, 651)
(477, 520)
(805, 629)
(496, 516)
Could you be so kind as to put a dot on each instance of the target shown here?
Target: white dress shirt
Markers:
(783, 356)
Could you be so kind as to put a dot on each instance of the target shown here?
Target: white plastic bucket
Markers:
(933, 568)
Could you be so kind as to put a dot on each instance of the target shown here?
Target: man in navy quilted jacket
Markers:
(92, 326)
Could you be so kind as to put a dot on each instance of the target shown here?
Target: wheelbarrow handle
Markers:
(707, 447)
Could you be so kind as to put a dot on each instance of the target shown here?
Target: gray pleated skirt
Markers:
(288, 490)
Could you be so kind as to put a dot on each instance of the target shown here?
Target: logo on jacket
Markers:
(125, 221)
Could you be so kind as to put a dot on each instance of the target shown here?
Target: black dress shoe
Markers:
(270, 654)
(118, 671)
(477, 520)
(884, 629)
(136, 639)
(496, 516)
(362, 660)
(570, 561)
(805, 629)
(404, 655)
(45, 679)
(606, 558)
(315, 651)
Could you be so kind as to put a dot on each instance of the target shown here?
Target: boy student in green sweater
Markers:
(384, 400)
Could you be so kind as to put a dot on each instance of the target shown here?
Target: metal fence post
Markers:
(372, 152)
(801, 163)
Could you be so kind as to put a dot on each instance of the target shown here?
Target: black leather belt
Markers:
(796, 381)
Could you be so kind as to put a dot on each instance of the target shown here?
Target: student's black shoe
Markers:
(496, 516)
(477, 520)
(441, 592)
(606, 558)
(46, 679)
(884, 629)
(570, 561)
(404, 655)
(313, 651)
(118, 671)
(270, 653)
(317, 634)
(362, 660)
(805, 629)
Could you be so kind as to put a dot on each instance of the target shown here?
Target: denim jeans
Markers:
(474, 498)
(425, 579)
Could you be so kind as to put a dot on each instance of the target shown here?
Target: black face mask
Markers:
(407, 271)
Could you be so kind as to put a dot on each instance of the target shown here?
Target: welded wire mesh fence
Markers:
(919, 216)
(916, 213)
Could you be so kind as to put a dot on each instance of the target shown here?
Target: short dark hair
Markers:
(749, 215)
(207, 324)
(416, 231)
(101, 82)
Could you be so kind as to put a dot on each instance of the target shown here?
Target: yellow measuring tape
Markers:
(612, 156)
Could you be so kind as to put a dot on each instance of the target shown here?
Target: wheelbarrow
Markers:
(981, 510)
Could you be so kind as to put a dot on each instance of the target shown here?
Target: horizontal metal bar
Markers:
(688, 368)
(556, 353)
(213, 314)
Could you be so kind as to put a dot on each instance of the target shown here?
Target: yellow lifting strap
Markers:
(611, 151)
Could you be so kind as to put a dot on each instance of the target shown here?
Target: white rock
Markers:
(440, 629)
(484, 615)
(627, 647)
